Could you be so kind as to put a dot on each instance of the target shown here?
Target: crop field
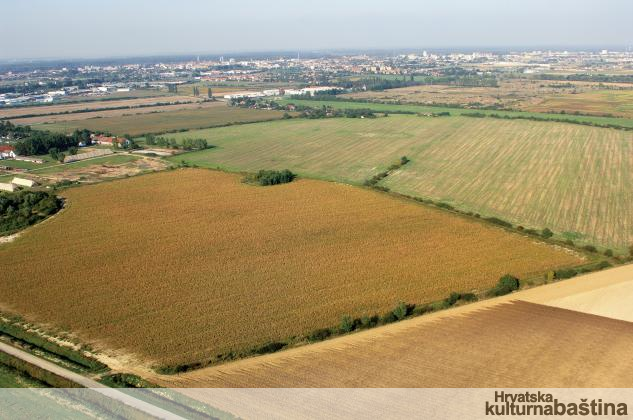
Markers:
(17, 112)
(538, 174)
(510, 345)
(204, 264)
(615, 102)
(205, 115)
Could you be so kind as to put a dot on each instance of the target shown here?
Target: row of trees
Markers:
(186, 144)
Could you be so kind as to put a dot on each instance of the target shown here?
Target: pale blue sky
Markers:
(91, 28)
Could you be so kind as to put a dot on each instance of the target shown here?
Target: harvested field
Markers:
(537, 174)
(44, 119)
(614, 102)
(511, 341)
(205, 115)
(18, 112)
(519, 94)
(205, 264)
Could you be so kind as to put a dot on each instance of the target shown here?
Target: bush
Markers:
(453, 298)
(546, 233)
(608, 253)
(320, 334)
(270, 348)
(590, 248)
(565, 274)
(499, 222)
(506, 284)
(469, 297)
(265, 177)
(388, 318)
(347, 324)
(400, 311)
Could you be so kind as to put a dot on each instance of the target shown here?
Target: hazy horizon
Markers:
(72, 29)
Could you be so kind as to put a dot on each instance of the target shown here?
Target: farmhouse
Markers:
(23, 182)
(110, 141)
(7, 151)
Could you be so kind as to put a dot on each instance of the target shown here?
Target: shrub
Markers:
(265, 177)
(590, 248)
(388, 318)
(422, 309)
(565, 273)
(400, 311)
(546, 233)
(608, 253)
(347, 324)
(320, 334)
(469, 297)
(453, 298)
(604, 264)
(506, 284)
(270, 348)
(499, 222)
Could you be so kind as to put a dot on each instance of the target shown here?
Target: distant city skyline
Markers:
(67, 29)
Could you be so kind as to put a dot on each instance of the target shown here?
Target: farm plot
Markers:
(510, 345)
(205, 264)
(614, 102)
(573, 179)
(108, 113)
(72, 107)
(205, 115)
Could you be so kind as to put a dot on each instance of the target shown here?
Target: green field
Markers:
(379, 107)
(210, 115)
(21, 164)
(538, 174)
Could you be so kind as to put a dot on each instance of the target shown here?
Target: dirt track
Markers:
(505, 342)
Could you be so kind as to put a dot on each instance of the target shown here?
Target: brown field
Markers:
(504, 342)
(180, 266)
(520, 94)
(615, 102)
(205, 115)
(93, 105)
(114, 113)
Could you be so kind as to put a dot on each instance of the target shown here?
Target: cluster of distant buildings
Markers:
(9, 99)
(311, 91)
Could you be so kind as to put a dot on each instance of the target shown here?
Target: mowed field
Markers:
(204, 115)
(177, 267)
(573, 179)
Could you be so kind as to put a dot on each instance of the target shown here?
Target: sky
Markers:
(119, 28)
